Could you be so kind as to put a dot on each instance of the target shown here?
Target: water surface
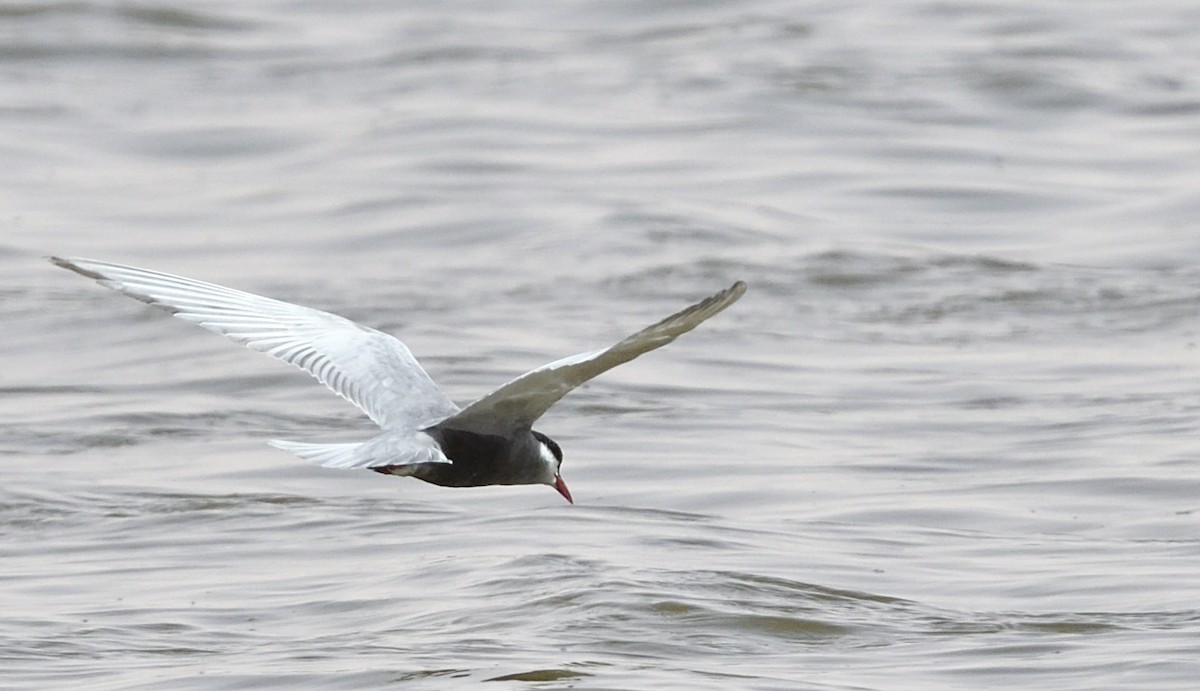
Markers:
(947, 440)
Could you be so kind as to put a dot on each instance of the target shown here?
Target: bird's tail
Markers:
(346, 455)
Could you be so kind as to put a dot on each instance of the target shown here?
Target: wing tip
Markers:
(73, 264)
(723, 299)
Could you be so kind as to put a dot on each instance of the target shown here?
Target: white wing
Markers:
(371, 369)
(520, 402)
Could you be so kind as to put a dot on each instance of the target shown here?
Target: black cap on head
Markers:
(553, 445)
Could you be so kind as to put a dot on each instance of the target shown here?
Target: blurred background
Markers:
(948, 439)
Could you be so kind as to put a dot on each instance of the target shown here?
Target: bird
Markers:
(424, 434)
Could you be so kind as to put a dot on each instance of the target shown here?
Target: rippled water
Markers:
(948, 439)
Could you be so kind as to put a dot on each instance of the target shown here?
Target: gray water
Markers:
(949, 439)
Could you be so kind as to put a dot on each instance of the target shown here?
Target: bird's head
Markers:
(551, 455)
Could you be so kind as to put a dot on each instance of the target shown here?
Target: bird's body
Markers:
(479, 459)
(423, 433)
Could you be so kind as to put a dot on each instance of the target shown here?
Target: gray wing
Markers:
(371, 369)
(520, 402)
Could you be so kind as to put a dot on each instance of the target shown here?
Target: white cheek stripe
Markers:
(548, 457)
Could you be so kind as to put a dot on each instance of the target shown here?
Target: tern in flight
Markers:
(424, 434)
